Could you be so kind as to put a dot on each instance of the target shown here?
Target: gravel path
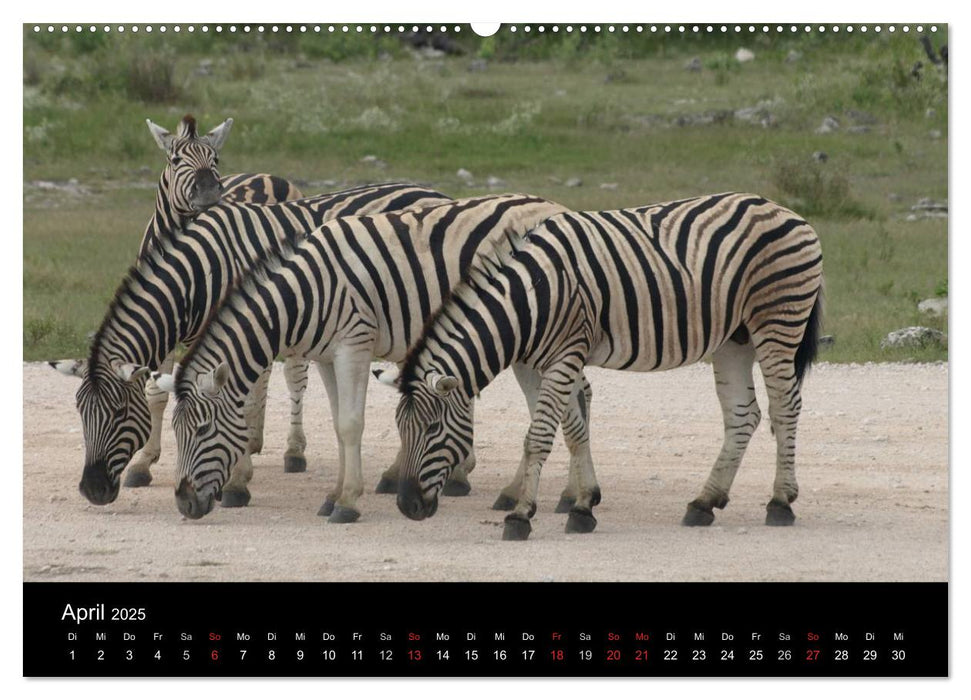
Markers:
(872, 463)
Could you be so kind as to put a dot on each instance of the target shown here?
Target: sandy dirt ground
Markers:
(872, 464)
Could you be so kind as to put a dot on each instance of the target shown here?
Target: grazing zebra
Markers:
(189, 184)
(165, 299)
(731, 277)
(355, 289)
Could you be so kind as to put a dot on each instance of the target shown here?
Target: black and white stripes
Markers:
(168, 294)
(731, 277)
(355, 289)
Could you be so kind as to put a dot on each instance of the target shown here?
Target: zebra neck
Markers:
(475, 336)
(165, 220)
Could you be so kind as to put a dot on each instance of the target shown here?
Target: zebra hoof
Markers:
(595, 498)
(696, 516)
(517, 528)
(343, 515)
(294, 464)
(326, 509)
(581, 521)
(456, 488)
(387, 486)
(135, 480)
(565, 504)
(779, 514)
(235, 499)
(504, 502)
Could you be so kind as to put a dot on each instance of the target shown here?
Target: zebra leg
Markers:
(785, 404)
(295, 370)
(576, 423)
(236, 492)
(352, 369)
(732, 365)
(576, 434)
(554, 395)
(137, 474)
(329, 377)
(583, 480)
(254, 412)
(389, 478)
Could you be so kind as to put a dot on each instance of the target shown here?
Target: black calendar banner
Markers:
(474, 629)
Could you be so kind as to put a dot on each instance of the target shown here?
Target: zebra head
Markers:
(435, 425)
(211, 434)
(191, 178)
(115, 421)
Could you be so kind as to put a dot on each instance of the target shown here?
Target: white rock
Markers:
(936, 306)
(744, 56)
(913, 337)
(573, 182)
(464, 174)
(493, 181)
(829, 125)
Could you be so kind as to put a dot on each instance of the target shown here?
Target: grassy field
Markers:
(623, 115)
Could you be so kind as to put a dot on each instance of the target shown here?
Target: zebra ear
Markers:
(162, 137)
(387, 375)
(441, 385)
(165, 382)
(130, 373)
(71, 368)
(217, 137)
(211, 383)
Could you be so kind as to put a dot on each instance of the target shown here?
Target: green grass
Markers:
(311, 111)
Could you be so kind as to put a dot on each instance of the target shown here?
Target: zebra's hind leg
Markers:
(732, 364)
(138, 472)
(785, 404)
(295, 369)
(254, 412)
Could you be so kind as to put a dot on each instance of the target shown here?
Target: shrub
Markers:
(151, 78)
(811, 190)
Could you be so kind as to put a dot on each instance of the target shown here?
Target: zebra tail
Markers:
(806, 352)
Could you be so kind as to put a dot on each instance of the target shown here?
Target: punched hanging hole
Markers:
(485, 28)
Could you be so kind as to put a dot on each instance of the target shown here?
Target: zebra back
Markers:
(645, 289)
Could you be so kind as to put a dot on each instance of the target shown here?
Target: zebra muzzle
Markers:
(412, 503)
(97, 486)
(190, 503)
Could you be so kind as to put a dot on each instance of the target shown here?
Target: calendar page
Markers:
(464, 350)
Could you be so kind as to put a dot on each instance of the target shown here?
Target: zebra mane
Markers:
(487, 266)
(187, 127)
(248, 280)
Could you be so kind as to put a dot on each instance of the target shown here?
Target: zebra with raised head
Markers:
(189, 184)
(165, 299)
(730, 277)
(355, 289)
(190, 181)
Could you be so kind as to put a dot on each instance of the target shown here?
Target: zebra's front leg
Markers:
(138, 471)
(254, 412)
(329, 377)
(236, 493)
(295, 370)
(732, 365)
(350, 377)
(553, 397)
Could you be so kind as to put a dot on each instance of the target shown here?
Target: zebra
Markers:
(189, 184)
(355, 289)
(165, 299)
(731, 277)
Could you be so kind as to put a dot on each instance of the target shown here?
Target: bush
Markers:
(809, 189)
(151, 78)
